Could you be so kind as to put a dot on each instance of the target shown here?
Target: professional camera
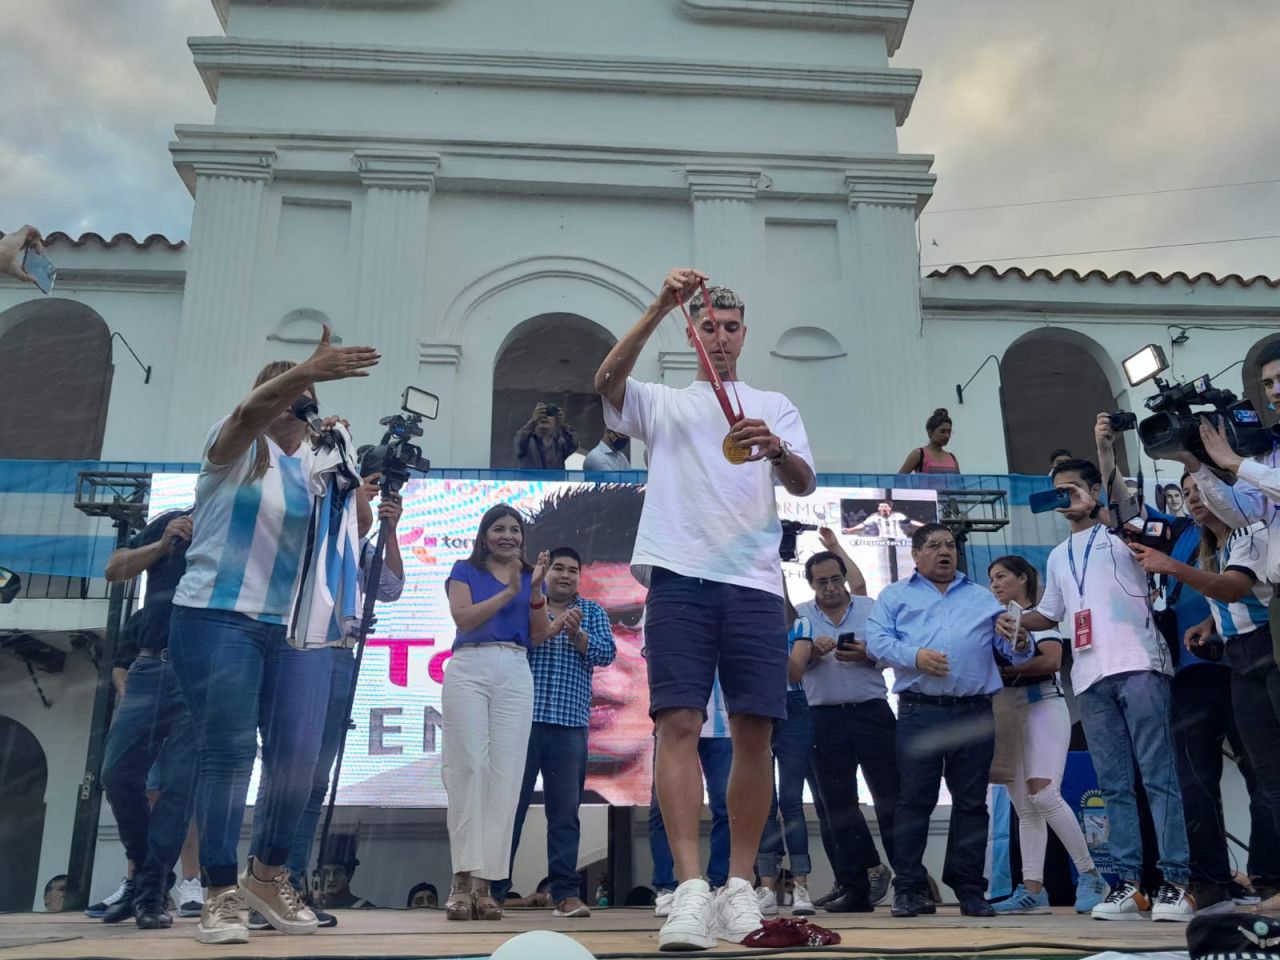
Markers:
(790, 529)
(553, 410)
(1173, 427)
(395, 456)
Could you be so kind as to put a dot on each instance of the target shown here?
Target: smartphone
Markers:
(1046, 501)
(1015, 611)
(38, 265)
(845, 641)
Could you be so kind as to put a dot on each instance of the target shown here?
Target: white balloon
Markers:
(540, 945)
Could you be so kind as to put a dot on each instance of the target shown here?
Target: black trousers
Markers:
(845, 736)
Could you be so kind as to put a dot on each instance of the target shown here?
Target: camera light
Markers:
(1146, 363)
(421, 402)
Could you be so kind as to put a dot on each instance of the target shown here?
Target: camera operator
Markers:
(1255, 495)
(1202, 692)
(1119, 676)
(546, 440)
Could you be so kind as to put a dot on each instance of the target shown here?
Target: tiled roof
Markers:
(58, 238)
(1126, 275)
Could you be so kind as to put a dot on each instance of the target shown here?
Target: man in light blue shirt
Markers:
(937, 630)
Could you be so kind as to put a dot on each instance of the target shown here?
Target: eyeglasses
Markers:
(933, 546)
(828, 582)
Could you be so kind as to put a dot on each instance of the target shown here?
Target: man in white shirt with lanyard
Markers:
(707, 548)
(1120, 674)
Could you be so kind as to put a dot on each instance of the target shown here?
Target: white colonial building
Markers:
(491, 191)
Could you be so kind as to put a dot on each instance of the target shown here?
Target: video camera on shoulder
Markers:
(1173, 427)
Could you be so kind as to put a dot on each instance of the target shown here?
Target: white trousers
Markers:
(487, 702)
(1044, 731)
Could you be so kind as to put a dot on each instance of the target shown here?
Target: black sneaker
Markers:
(325, 918)
(847, 903)
(827, 897)
(905, 904)
(96, 911)
(151, 915)
(975, 907)
(122, 909)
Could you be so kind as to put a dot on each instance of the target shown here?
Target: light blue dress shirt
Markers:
(913, 614)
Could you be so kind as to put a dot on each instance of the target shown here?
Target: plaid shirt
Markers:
(562, 675)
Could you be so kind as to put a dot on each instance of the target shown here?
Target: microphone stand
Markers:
(367, 621)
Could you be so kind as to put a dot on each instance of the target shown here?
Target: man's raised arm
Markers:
(611, 378)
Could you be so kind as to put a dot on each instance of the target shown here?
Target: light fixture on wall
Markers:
(1180, 338)
(960, 390)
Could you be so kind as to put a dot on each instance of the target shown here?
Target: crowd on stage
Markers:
(256, 595)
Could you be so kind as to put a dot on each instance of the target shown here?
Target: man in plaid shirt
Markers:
(562, 667)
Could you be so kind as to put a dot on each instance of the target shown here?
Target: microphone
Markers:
(308, 411)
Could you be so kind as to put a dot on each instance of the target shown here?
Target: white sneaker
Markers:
(222, 920)
(662, 903)
(690, 920)
(801, 905)
(190, 897)
(276, 900)
(1125, 902)
(736, 911)
(1172, 904)
(768, 901)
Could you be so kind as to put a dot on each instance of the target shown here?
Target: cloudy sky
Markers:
(1024, 103)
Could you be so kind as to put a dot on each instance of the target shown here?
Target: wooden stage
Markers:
(620, 934)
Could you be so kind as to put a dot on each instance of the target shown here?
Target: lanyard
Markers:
(1071, 558)
(717, 385)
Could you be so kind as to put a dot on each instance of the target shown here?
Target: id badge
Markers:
(1084, 630)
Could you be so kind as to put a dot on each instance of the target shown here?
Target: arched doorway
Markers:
(24, 775)
(550, 358)
(1052, 387)
(1250, 382)
(56, 355)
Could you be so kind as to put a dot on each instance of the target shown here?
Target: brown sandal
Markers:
(486, 907)
(461, 905)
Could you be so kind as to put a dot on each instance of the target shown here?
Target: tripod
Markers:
(371, 577)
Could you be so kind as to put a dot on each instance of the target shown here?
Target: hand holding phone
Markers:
(41, 270)
(1046, 501)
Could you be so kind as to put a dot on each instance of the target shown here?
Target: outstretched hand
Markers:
(338, 363)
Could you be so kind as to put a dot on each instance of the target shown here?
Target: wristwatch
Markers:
(784, 453)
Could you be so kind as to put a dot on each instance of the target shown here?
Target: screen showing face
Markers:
(393, 754)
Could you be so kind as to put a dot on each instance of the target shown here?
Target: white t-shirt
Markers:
(1125, 638)
(704, 516)
(248, 539)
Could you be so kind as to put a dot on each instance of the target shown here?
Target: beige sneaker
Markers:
(277, 901)
(222, 920)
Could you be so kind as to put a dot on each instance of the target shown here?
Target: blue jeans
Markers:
(560, 753)
(239, 676)
(341, 679)
(937, 742)
(716, 754)
(152, 715)
(793, 750)
(1126, 717)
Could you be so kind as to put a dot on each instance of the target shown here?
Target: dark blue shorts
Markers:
(693, 626)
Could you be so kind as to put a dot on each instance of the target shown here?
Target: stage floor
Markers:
(615, 933)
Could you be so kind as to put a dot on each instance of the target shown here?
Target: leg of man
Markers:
(1264, 837)
(1111, 751)
(678, 779)
(535, 755)
(1145, 700)
(1259, 726)
(769, 856)
(171, 814)
(341, 679)
(836, 762)
(564, 771)
(793, 746)
(716, 756)
(878, 755)
(295, 697)
(1199, 728)
(920, 763)
(820, 810)
(664, 869)
(971, 745)
(133, 743)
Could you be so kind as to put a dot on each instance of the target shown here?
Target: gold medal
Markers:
(734, 453)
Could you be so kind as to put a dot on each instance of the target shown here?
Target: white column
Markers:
(392, 304)
(726, 238)
(438, 363)
(220, 337)
(895, 390)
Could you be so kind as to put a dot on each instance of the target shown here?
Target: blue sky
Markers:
(1023, 101)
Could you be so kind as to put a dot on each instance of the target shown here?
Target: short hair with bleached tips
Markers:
(722, 298)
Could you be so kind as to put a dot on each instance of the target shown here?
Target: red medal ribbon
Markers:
(717, 385)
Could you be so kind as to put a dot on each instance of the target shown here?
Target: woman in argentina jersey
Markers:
(238, 673)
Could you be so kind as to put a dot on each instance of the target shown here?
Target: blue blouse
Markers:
(508, 625)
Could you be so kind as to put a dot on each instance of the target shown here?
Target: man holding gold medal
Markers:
(707, 548)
